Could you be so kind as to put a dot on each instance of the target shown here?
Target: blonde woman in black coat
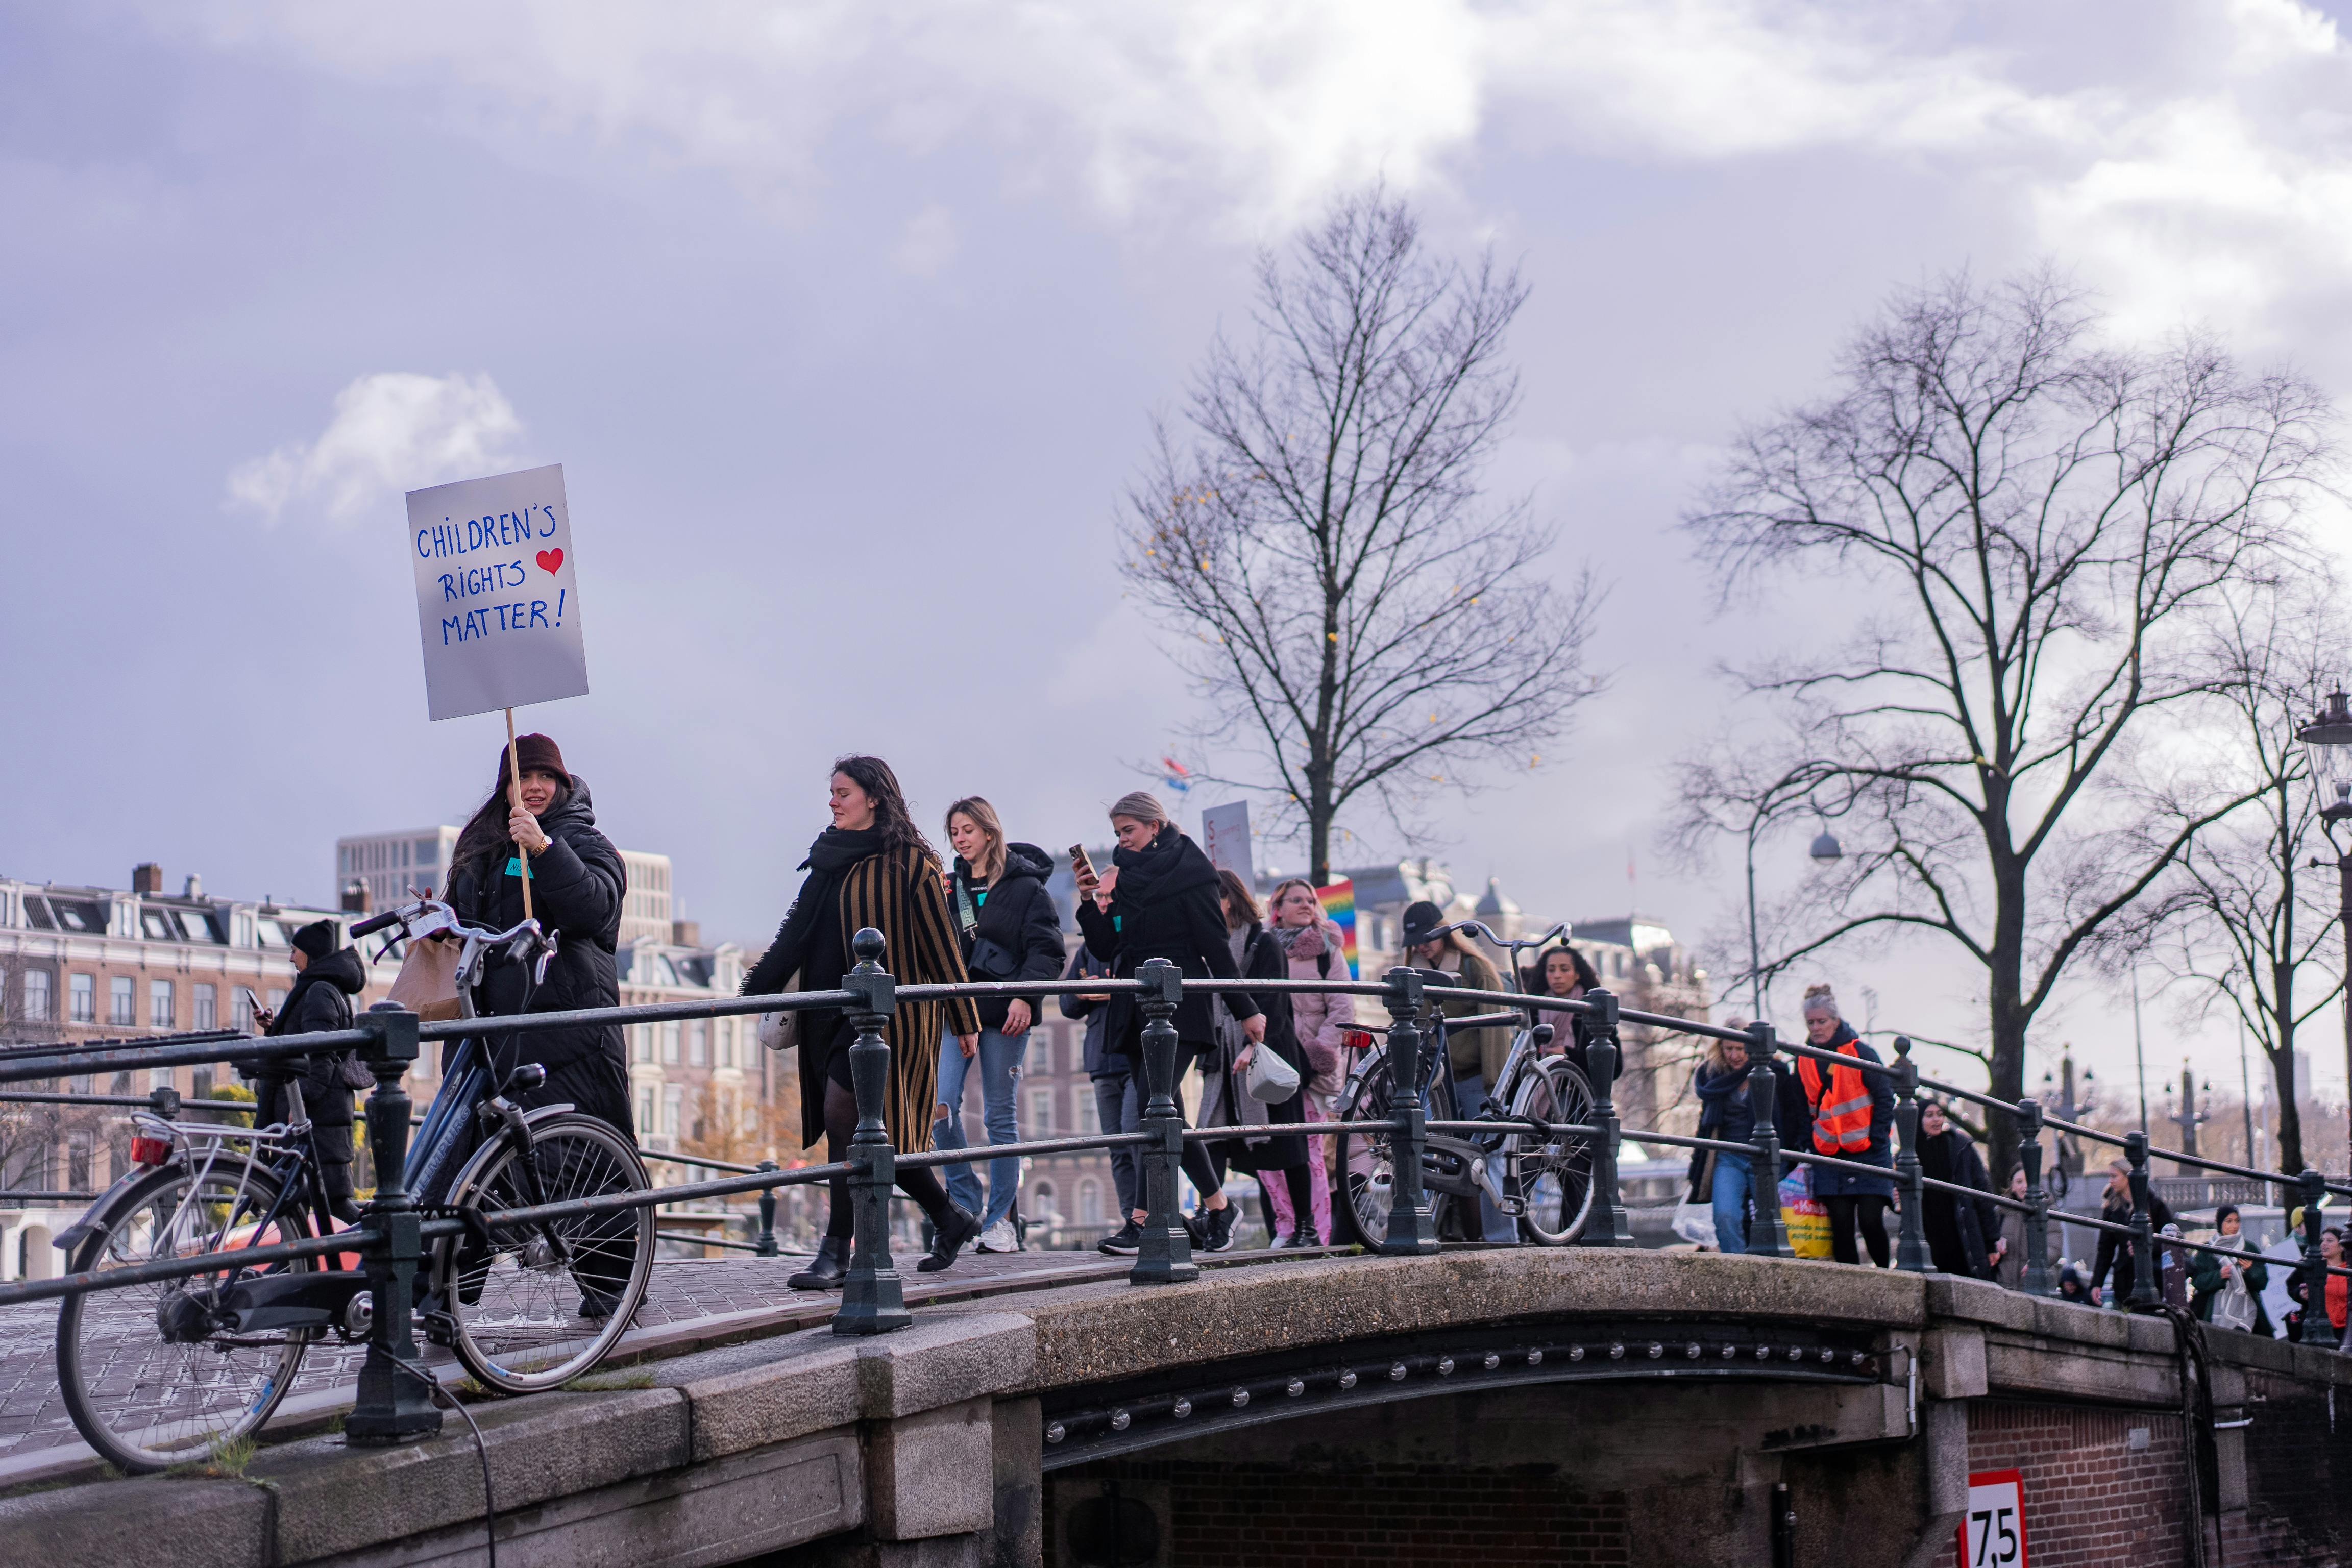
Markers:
(1159, 899)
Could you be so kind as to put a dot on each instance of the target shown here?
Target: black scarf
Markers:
(813, 912)
(1169, 864)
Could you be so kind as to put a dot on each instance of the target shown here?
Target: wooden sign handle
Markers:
(514, 797)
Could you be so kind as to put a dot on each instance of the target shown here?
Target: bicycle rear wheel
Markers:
(544, 1303)
(149, 1377)
(1366, 1177)
(1555, 1172)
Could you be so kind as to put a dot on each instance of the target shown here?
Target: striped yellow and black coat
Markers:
(898, 893)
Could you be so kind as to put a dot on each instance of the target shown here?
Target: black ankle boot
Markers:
(826, 1269)
(949, 1239)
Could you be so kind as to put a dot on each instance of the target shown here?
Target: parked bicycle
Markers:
(1541, 1179)
(157, 1374)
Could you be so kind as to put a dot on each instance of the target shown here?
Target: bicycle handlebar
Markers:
(375, 924)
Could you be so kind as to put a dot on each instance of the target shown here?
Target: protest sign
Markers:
(497, 598)
(497, 601)
(1225, 840)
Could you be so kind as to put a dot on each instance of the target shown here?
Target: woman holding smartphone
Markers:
(1162, 900)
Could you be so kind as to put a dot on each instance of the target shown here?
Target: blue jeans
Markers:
(1470, 1098)
(999, 1067)
(1733, 1179)
(1119, 1110)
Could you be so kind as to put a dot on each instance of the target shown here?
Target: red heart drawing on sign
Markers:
(550, 560)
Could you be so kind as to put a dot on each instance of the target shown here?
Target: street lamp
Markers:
(2327, 740)
(1826, 848)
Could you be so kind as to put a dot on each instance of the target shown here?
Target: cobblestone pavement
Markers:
(33, 1416)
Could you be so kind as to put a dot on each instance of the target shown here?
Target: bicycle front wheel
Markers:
(149, 1373)
(1366, 1177)
(543, 1303)
(1555, 1172)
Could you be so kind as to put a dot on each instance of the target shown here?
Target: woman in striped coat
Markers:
(872, 868)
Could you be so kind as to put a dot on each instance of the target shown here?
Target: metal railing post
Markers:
(1164, 1256)
(1911, 1255)
(1609, 1226)
(2033, 1278)
(873, 1298)
(2317, 1329)
(1413, 1228)
(1770, 1233)
(765, 1244)
(2144, 1294)
(395, 1402)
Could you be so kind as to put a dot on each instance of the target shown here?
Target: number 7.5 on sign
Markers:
(1992, 1535)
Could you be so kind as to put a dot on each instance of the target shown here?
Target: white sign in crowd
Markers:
(498, 593)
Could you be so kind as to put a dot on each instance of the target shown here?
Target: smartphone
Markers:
(252, 1003)
(1079, 864)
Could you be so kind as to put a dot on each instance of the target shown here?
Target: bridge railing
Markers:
(393, 1239)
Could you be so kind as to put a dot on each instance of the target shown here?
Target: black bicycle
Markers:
(161, 1374)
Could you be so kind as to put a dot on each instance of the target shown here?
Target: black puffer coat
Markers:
(577, 884)
(1263, 959)
(321, 999)
(1016, 917)
(1165, 906)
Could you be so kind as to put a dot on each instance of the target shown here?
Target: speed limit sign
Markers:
(1993, 1534)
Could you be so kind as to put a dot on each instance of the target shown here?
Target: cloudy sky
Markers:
(848, 321)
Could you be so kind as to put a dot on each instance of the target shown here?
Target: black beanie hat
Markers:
(316, 940)
(538, 753)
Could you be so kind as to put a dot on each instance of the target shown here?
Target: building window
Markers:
(276, 1002)
(207, 1006)
(1088, 1117)
(119, 1003)
(200, 1084)
(641, 1037)
(81, 995)
(78, 1172)
(646, 1112)
(669, 1043)
(161, 1014)
(1042, 1210)
(673, 1100)
(245, 1009)
(697, 1043)
(36, 996)
(1041, 1111)
(1089, 1202)
(158, 1077)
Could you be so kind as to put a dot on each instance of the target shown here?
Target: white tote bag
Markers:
(1269, 1079)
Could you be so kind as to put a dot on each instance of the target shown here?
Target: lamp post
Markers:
(1826, 849)
(2327, 740)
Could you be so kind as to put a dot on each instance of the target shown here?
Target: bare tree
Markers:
(2235, 915)
(2022, 529)
(1319, 543)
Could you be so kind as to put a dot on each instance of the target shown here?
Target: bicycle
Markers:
(1543, 1181)
(159, 1375)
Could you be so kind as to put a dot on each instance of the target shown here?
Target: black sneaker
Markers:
(1124, 1242)
(1216, 1229)
(1304, 1236)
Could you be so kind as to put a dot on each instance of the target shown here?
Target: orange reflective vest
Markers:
(1841, 1116)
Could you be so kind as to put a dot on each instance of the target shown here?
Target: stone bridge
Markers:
(1481, 1406)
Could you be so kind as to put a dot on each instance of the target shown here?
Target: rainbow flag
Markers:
(1340, 903)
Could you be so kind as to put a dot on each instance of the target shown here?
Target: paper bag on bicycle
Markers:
(427, 983)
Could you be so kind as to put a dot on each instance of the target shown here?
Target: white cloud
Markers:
(2200, 171)
(391, 432)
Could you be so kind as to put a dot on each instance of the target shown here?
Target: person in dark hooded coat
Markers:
(577, 885)
(1161, 900)
(327, 977)
(1961, 1231)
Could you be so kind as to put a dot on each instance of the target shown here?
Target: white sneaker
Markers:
(999, 1237)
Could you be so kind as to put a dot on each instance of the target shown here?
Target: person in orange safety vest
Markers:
(1854, 1119)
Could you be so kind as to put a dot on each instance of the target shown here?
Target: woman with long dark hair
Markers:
(872, 868)
(1277, 1158)
(577, 886)
(1159, 899)
(1567, 973)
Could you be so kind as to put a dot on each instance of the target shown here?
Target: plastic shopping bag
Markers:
(1808, 1221)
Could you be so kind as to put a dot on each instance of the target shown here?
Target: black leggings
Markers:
(1865, 1212)
(921, 1184)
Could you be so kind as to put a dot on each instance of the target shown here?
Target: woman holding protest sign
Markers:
(872, 868)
